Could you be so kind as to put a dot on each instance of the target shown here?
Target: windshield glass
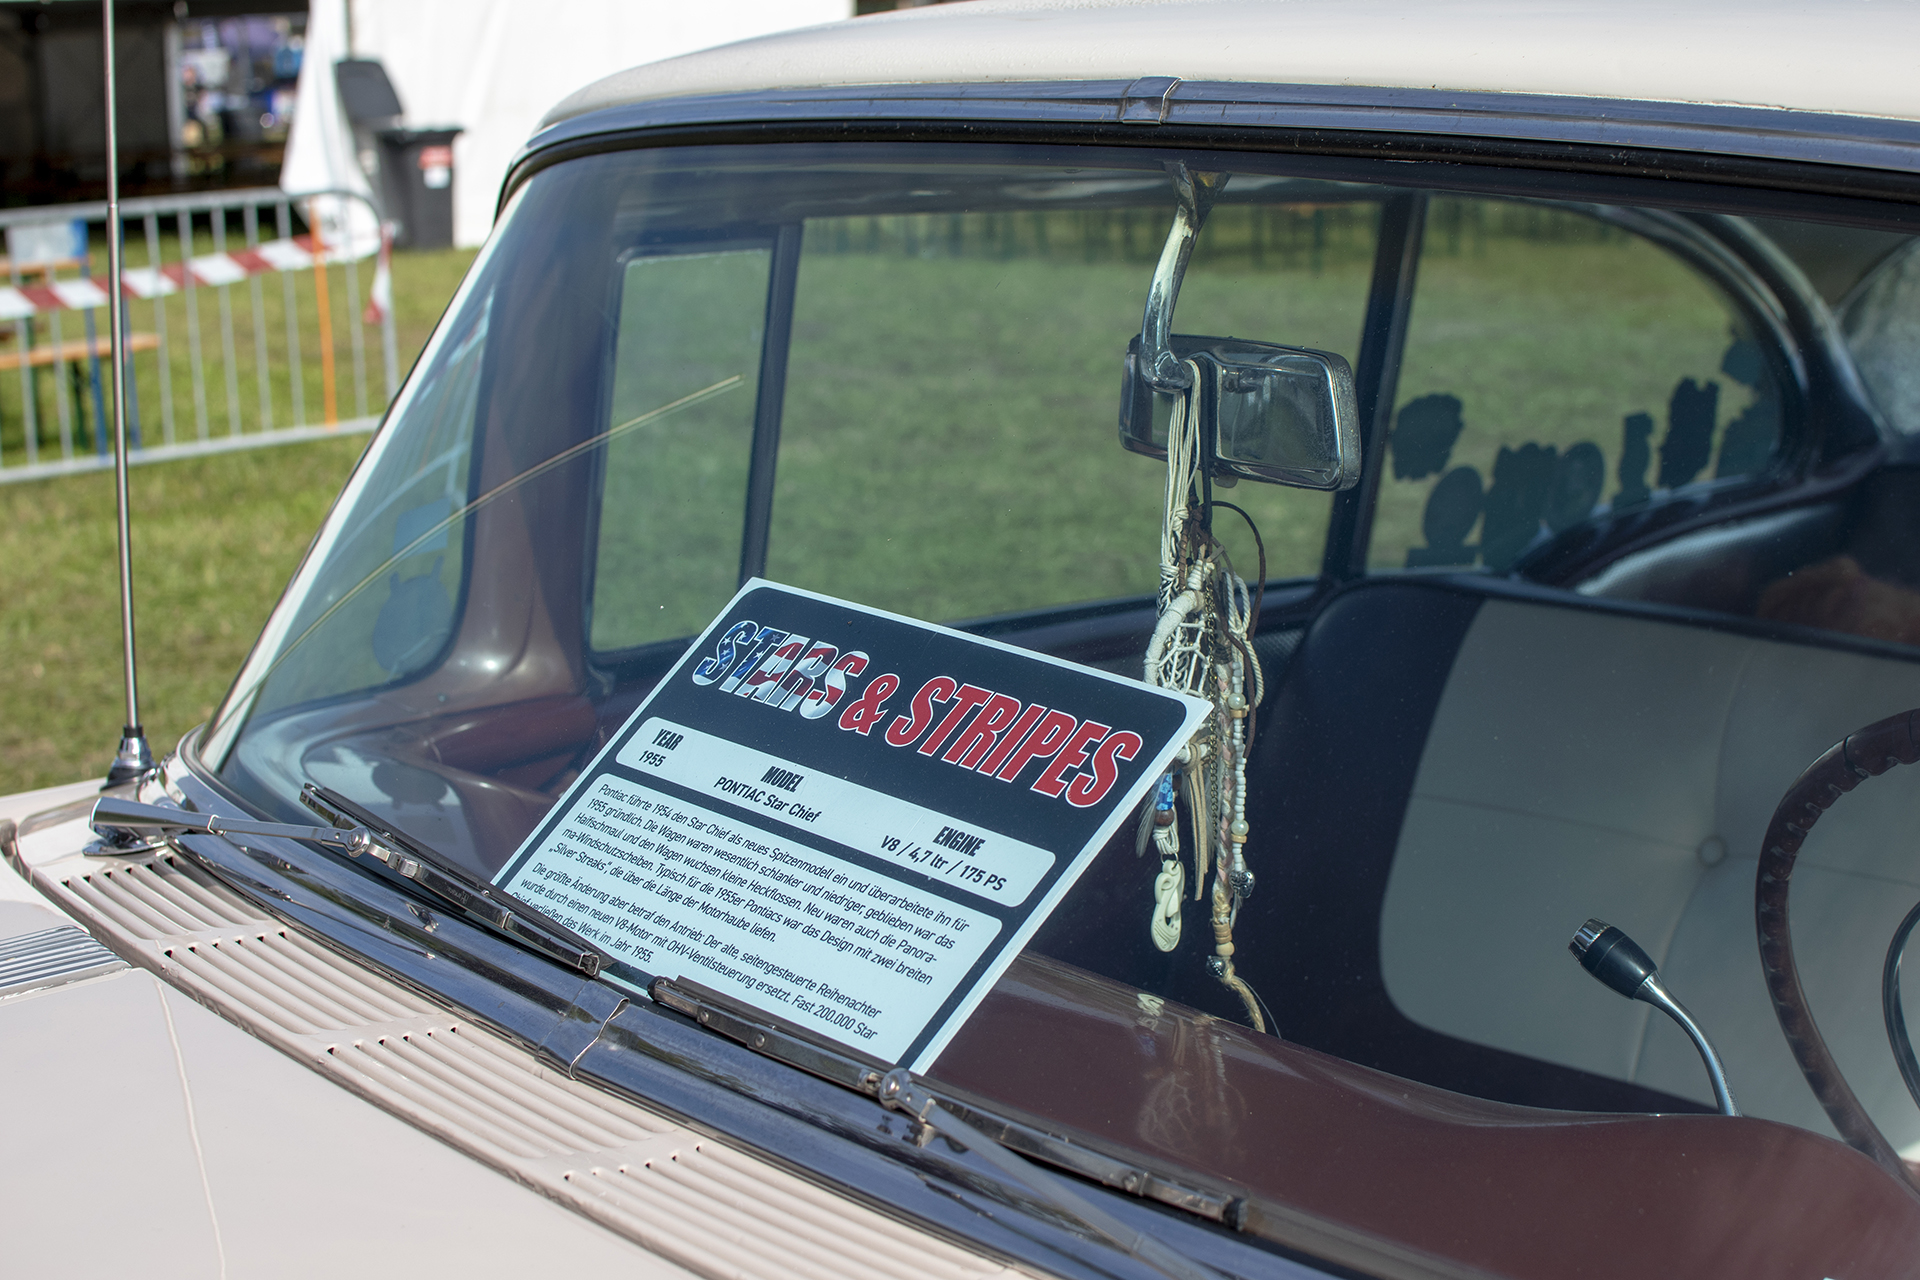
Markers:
(925, 349)
(1584, 588)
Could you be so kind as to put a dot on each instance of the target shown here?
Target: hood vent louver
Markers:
(52, 958)
(706, 1205)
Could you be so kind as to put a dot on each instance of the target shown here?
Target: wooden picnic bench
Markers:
(75, 350)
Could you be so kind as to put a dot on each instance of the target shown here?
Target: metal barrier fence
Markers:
(200, 378)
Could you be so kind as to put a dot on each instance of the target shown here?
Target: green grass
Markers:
(1028, 499)
(948, 450)
(950, 411)
(215, 540)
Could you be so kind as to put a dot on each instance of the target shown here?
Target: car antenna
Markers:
(134, 757)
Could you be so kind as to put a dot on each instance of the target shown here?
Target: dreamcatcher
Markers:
(1200, 646)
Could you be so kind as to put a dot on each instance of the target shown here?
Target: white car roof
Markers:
(1848, 57)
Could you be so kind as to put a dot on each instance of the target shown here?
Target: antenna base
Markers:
(133, 761)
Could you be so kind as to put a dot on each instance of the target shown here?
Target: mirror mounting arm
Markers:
(1197, 191)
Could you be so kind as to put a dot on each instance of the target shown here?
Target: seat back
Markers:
(1454, 775)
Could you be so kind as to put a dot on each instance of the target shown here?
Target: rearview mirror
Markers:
(1281, 415)
(1284, 415)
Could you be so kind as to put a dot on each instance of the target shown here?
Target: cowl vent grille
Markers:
(51, 958)
(705, 1179)
(710, 1207)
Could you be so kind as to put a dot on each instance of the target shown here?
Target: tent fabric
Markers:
(494, 67)
(320, 152)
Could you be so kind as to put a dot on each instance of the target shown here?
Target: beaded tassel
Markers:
(1201, 646)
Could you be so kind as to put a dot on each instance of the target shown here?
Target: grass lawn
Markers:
(215, 540)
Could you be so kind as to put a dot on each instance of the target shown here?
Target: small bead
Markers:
(1236, 702)
(1163, 817)
(1239, 828)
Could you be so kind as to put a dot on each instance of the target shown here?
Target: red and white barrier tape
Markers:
(145, 283)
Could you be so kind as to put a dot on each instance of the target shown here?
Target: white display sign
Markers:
(846, 818)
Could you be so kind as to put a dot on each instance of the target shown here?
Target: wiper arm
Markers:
(439, 875)
(898, 1090)
(355, 832)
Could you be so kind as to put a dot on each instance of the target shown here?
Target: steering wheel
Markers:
(1864, 754)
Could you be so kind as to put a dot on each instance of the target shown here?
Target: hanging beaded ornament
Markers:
(1200, 646)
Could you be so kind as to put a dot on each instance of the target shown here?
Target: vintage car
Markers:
(1602, 585)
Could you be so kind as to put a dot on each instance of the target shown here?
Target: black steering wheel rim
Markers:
(1864, 754)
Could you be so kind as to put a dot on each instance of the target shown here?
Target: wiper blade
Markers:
(439, 875)
(897, 1089)
(355, 832)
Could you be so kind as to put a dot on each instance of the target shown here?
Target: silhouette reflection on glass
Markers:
(1423, 436)
(1522, 479)
(414, 622)
(1691, 416)
(1538, 492)
(1577, 482)
(1636, 455)
(1748, 443)
(1453, 508)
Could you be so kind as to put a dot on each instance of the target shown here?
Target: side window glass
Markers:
(1557, 366)
(674, 501)
(1882, 323)
(967, 462)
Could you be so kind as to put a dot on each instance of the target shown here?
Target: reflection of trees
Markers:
(1538, 491)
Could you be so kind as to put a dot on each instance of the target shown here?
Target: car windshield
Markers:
(570, 488)
(1583, 588)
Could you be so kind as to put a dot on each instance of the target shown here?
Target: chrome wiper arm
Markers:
(439, 875)
(897, 1089)
(356, 833)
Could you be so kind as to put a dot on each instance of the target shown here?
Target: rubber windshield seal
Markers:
(1789, 151)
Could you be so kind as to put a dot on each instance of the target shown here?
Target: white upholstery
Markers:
(1576, 765)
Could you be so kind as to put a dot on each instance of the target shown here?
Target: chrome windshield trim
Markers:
(1740, 132)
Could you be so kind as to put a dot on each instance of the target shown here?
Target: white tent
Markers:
(320, 153)
(494, 67)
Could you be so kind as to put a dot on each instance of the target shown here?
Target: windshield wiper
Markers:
(897, 1089)
(355, 832)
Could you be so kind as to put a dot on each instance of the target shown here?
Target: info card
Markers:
(845, 817)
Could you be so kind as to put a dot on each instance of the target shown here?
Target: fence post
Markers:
(185, 222)
(228, 357)
(329, 404)
(29, 385)
(283, 221)
(160, 328)
(62, 393)
(356, 342)
(260, 367)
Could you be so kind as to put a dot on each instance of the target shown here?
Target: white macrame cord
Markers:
(1201, 646)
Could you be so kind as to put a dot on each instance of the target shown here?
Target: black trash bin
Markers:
(416, 167)
(368, 98)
